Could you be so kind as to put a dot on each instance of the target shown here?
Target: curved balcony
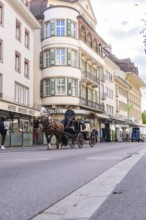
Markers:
(90, 79)
(91, 104)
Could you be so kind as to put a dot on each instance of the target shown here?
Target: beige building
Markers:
(17, 26)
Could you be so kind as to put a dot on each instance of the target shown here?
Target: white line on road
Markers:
(25, 159)
(104, 158)
(82, 203)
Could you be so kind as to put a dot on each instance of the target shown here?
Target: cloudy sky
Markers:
(119, 22)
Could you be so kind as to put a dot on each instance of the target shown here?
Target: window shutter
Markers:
(69, 57)
(80, 84)
(52, 86)
(52, 27)
(79, 59)
(42, 32)
(52, 56)
(41, 60)
(41, 88)
(87, 92)
(69, 90)
(94, 96)
(68, 27)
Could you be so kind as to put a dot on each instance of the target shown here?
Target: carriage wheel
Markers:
(71, 142)
(80, 140)
(92, 140)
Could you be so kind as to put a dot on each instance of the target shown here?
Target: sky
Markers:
(121, 23)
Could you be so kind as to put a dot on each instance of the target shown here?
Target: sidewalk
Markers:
(128, 199)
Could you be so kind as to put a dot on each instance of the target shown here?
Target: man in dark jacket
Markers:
(68, 116)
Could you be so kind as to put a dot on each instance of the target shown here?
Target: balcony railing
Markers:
(103, 77)
(89, 78)
(92, 104)
(103, 96)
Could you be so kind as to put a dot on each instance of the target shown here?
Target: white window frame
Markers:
(26, 68)
(60, 56)
(74, 58)
(83, 95)
(47, 58)
(1, 51)
(60, 84)
(1, 83)
(21, 94)
(74, 87)
(60, 28)
(48, 29)
(1, 14)
(73, 29)
(18, 30)
(17, 61)
(47, 87)
(27, 38)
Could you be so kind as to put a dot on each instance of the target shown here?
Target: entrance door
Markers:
(107, 133)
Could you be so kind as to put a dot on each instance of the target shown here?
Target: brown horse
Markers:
(52, 127)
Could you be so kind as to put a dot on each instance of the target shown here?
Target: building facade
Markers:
(17, 26)
(78, 68)
(52, 56)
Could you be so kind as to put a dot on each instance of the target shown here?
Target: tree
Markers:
(129, 107)
(143, 117)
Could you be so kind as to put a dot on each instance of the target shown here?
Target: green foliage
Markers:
(129, 107)
(143, 117)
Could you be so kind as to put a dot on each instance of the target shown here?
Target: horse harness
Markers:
(49, 125)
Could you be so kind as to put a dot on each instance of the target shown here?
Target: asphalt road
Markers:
(33, 180)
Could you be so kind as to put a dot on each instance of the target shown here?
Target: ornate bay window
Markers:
(59, 27)
(59, 86)
(59, 56)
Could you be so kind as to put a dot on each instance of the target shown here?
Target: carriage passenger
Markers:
(69, 116)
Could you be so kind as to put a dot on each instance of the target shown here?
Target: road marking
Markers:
(25, 159)
(82, 203)
(104, 158)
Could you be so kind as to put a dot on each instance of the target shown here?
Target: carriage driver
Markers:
(68, 116)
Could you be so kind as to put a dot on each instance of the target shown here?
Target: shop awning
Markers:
(116, 118)
(102, 116)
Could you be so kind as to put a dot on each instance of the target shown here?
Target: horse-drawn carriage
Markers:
(75, 134)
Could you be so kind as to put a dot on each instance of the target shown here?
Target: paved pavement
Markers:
(117, 194)
(128, 200)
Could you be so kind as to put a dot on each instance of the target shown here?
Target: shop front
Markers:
(21, 124)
